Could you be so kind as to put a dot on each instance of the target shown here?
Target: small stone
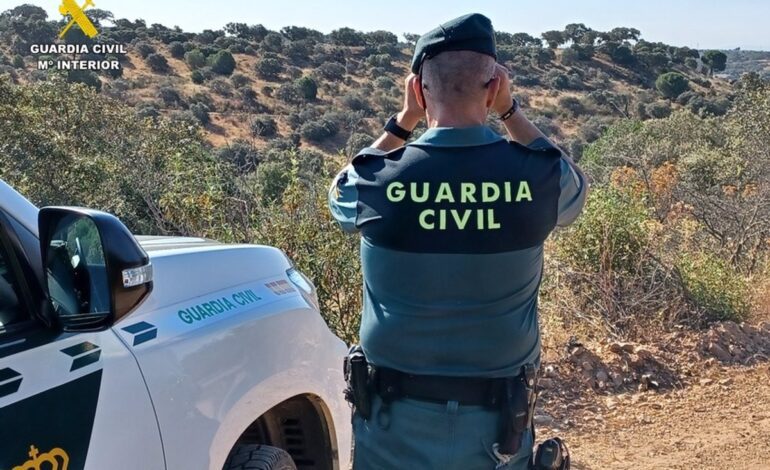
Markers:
(619, 347)
(617, 380)
(706, 382)
(545, 383)
(726, 381)
(602, 376)
(543, 420)
(719, 352)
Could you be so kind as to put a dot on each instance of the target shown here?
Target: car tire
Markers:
(259, 457)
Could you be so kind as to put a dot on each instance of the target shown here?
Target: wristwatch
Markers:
(392, 127)
(514, 107)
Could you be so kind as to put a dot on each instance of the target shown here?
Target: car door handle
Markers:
(10, 380)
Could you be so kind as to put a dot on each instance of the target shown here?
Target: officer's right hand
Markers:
(504, 99)
(412, 113)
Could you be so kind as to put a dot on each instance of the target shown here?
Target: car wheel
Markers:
(259, 457)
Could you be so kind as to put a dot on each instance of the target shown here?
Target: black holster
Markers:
(358, 391)
(517, 409)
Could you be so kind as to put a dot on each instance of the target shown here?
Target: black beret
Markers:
(467, 33)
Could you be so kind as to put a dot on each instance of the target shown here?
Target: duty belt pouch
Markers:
(517, 404)
(356, 370)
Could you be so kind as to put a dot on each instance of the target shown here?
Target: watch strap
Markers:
(392, 127)
(511, 111)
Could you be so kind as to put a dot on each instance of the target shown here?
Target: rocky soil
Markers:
(696, 400)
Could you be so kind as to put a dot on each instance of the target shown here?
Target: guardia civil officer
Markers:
(452, 228)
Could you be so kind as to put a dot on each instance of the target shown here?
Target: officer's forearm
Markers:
(388, 141)
(521, 129)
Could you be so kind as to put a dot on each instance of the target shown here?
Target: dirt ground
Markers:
(722, 424)
(691, 402)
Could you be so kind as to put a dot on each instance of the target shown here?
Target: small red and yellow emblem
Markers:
(54, 459)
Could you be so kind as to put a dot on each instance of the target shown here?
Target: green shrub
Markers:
(221, 87)
(85, 77)
(170, 96)
(318, 131)
(331, 71)
(197, 77)
(241, 155)
(658, 109)
(273, 42)
(269, 68)
(671, 84)
(307, 87)
(622, 55)
(264, 126)
(201, 113)
(557, 80)
(289, 93)
(379, 60)
(195, 59)
(222, 63)
(572, 105)
(144, 49)
(239, 80)
(176, 49)
(157, 63)
(714, 287)
(610, 235)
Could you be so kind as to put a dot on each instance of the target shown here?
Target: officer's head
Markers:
(456, 66)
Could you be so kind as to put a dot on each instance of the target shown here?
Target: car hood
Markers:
(186, 269)
(152, 244)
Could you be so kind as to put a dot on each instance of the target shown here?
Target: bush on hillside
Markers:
(671, 84)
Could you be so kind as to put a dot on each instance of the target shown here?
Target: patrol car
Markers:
(122, 352)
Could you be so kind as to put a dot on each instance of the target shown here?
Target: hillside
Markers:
(740, 62)
(330, 91)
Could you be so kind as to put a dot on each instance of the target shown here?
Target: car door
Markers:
(67, 400)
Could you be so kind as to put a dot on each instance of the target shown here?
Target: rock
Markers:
(648, 380)
(545, 383)
(726, 381)
(576, 351)
(706, 382)
(619, 348)
(617, 380)
(719, 352)
(543, 420)
(602, 376)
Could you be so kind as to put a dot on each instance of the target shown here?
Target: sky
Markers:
(705, 24)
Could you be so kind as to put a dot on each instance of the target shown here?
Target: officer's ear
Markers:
(493, 87)
(418, 92)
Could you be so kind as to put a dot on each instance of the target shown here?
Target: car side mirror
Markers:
(95, 271)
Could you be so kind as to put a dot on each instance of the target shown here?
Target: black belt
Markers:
(392, 384)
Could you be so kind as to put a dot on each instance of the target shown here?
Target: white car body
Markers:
(225, 350)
